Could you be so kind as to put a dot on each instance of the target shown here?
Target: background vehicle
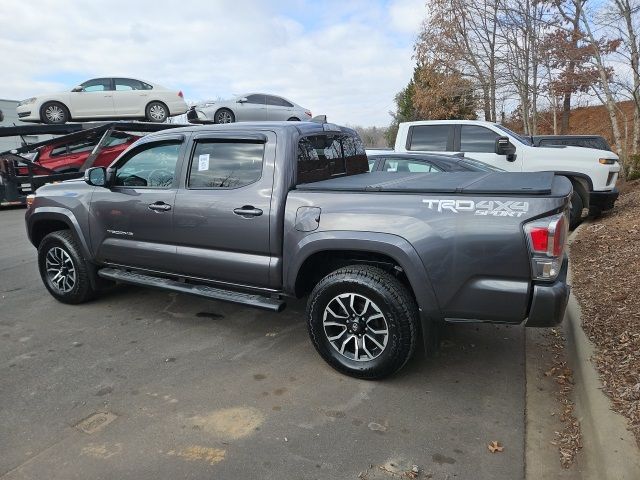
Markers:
(70, 154)
(105, 98)
(254, 213)
(248, 107)
(387, 161)
(586, 141)
(592, 172)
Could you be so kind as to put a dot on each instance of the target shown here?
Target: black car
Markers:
(586, 141)
(425, 162)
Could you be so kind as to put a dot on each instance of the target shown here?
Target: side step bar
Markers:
(252, 300)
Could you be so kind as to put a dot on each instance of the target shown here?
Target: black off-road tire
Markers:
(389, 295)
(577, 205)
(61, 109)
(81, 290)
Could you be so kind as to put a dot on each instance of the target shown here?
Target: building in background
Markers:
(8, 108)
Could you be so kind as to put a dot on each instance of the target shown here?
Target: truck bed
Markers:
(472, 183)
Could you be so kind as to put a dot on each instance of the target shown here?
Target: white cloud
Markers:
(343, 59)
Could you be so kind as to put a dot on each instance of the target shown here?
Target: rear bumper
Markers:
(603, 200)
(550, 301)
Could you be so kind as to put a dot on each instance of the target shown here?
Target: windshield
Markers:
(477, 165)
(522, 139)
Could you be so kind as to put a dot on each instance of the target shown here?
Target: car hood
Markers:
(583, 152)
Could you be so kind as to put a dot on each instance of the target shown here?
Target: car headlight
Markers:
(27, 101)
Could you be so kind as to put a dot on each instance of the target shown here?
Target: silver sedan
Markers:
(248, 107)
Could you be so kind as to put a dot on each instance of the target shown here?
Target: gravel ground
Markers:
(606, 277)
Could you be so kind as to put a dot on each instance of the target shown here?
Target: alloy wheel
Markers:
(54, 113)
(355, 327)
(224, 117)
(157, 112)
(60, 270)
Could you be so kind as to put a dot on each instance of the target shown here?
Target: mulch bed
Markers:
(605, 259)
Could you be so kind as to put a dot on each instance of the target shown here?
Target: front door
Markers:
(254, 109)
(131, 221)
(222, 216)
(94, 101)
(479, 143)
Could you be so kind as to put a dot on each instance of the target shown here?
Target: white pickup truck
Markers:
(592, 172)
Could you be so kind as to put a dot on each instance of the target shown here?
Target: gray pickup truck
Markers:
(253, 213)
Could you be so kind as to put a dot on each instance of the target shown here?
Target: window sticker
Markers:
(203, 162)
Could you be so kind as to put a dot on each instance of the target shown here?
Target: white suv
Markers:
(592, 172)
(105, 98)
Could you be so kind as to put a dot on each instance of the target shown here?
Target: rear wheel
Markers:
(62, 269)
(293, 119)
(54, 113)
(363, 321)
(157, 112)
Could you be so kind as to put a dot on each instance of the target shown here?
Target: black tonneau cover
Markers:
(480, 183)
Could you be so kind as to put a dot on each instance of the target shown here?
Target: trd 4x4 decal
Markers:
(496, 208)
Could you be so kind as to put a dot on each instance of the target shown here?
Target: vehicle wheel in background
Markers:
(62, 268)
(157, 112)
(224, 115)
(54, 113)
(363, 321)
(576, 210)
(293, 119)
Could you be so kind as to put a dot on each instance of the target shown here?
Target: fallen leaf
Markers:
(495, 447)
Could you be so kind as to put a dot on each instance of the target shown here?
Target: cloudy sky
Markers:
(345, 59)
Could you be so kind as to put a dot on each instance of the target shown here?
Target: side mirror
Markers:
(96, 176)
(243, 100)
(504, 146)
(78, 88)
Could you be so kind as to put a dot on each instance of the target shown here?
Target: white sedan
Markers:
(105, 98)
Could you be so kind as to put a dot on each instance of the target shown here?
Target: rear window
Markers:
(321, 157)
(429, 138)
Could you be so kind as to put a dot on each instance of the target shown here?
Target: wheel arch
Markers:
(582, 184)
(318, 254)
(45, 220)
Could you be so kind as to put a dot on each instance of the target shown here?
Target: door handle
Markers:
(247, 211)
(159, 207)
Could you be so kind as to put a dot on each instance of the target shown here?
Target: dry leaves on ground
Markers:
(495, 447)
(606, 280)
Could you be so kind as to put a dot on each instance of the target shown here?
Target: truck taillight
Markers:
(547, 238)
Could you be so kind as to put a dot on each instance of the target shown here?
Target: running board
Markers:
(212, 293)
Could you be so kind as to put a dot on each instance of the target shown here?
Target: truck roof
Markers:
(299, 128)
(449, 122)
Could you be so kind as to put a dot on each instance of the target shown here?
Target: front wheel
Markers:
(54, 113)
(62, 269)
(363, 321)
(224, 115)
(575, 216)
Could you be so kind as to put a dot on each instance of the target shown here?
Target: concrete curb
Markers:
(609, 449)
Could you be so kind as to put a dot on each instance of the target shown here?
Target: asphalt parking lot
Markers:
(147, 384)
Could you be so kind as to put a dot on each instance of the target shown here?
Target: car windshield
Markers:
(518, 137)
(479, 166)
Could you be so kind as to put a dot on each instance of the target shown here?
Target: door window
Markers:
(406, 165)
(430, 138)
(257, 98)
(152, 166)
(225, 164)
(477, 139)
(124, 84)
(97, 85)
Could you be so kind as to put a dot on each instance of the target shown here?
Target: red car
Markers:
(69, 156)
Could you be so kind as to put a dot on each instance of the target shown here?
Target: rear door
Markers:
(221, 218)
(129, 97)
(278, 108)
(131, 222)
(255, 108)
